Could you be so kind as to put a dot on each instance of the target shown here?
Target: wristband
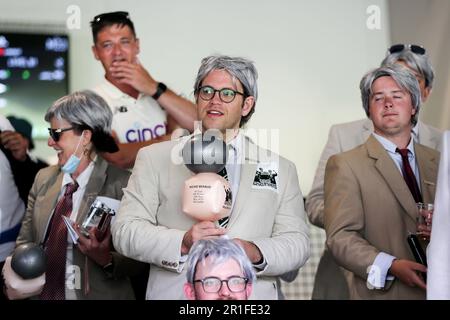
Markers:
(161, 88)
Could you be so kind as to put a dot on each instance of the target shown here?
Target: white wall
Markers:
(310, 55)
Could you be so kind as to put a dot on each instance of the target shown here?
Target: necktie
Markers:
(223, 223)
(409, 176)
(56, 249)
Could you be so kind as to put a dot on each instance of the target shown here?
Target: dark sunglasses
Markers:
(227, 95)
(413, 47)
(56, 133)
(111, 16)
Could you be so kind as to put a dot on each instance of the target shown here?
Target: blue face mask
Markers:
(73, 162)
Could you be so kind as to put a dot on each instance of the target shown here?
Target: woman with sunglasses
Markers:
(80, 127)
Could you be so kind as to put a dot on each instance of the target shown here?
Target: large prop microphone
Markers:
(24, 272)
(207, 195)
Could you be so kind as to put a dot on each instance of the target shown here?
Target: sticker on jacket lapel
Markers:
(266, 176)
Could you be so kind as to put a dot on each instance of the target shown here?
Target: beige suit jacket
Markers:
(151, 225)
(105, 180)
(329, 283)
(369, 209)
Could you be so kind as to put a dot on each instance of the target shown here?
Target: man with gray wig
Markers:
(239, 69)
(267, 221)
(371, 192)
(218, 269)
(329, 281)
(401, 76)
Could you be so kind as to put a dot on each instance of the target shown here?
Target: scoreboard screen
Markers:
(33, 74)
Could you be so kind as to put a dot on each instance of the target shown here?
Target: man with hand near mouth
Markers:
(145, 111)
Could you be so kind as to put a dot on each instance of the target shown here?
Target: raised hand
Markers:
(135, 75)
(16, 143)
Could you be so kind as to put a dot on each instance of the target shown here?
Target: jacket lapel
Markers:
(48, 204)
(387, 168)
(95, 184)
(248, 170)
(428, 166)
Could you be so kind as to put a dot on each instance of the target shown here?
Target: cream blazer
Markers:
(150, 225)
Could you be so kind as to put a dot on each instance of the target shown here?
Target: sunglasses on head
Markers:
(412, 47)
(56, 133)
(111, 16)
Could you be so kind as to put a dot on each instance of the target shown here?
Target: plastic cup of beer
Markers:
(424, 219)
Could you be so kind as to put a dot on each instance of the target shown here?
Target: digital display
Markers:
(33, 74)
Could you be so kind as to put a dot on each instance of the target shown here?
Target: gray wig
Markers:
(85, 110)
(419, 62)
(218, 250)
(239, 68)
(401, 75)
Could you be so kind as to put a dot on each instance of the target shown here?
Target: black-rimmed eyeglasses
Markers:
(413, 47)
(111, 16)
(227, 95)
(56, 133)
(214, 284)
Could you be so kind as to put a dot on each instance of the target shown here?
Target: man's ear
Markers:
(249, 289)
(249, 103)
(189, 291)
(138, 46)
(425, 94)
(94, 51)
